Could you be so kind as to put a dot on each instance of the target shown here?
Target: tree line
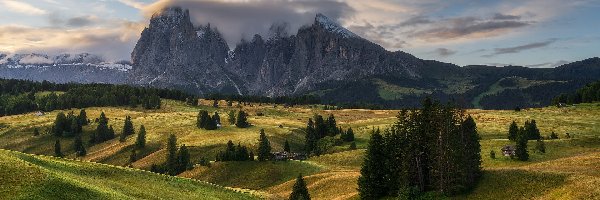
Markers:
(289, 100)
(19, 96)
(433, 150)
(587, 94)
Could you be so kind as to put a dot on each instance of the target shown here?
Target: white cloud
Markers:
(22, 7)
(134, 4)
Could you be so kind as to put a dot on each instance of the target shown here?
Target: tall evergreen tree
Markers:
(231, 117)
(211, 124)
(82, 118)
(216, 118)
(349, 135)
(183, 159)
(61, 124)
(102, 130)
(299, 191)
(533, 133)
(521, 148)
(202, 119)
(140, 142)
(320, 126)
(470, 159)
(241, 120)
(172, 155)
(127, 129)
(332, 128)
(372, 183)
(311, 137)
(286, 146)
(264, 147)
(57, 150)
(78, 146)
(513, 131)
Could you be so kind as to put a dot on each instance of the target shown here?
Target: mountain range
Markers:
(322, 59)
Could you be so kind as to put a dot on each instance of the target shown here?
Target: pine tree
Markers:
(140, 142)
(372, 183)
(332, 129)
(553, 135)
(320, 127)
(286, 146)
(299, 191)
(216, 118)
(127, 129)
(76, 128)
(202, 119)
(471, 156)
(492, 154)
(215, 103)
(521, 147)
(513, 131)
(349, 135)
(211, 124)
(60, 124)
(82, 118)
(102, 131)
(78, 146)
(242, 121)
(311, 137)
(172, 155)
(111, 133)
(533, 133)
(183, 159)
(353, 145)
(231, 117)
(264, 147)
(36, 132)
(57, 151)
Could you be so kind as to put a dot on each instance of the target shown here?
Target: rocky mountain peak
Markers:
(170, 17)
(333, 26)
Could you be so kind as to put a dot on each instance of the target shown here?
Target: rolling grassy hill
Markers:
(25, 176)
(553, 175)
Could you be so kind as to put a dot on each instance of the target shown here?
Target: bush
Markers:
(492, 154)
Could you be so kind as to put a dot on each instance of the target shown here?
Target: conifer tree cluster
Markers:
(178, 159)
(231, 117)
(103, 131)
(233, 153)
(127, 129)
(435, 148)
(205, 121)
(521, 135)
(317, 129)
(70, 126)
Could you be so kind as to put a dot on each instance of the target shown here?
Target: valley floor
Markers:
(570, 169)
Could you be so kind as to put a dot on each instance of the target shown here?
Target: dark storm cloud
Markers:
(444, 52)
(470, 27)
(517, 49)
(238, 20)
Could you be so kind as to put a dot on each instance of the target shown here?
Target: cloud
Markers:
(134, 4)
(82, 21)
(444, 52)
(114, 43)
(416, 21)
(242, 19)
(517, 49)
(468, 27)
(23, 8)
(33, 59)
(499, 16)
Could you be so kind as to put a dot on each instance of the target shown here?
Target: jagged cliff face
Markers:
(173, 53)
(321, 52)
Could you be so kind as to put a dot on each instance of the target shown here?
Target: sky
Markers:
(532, 33)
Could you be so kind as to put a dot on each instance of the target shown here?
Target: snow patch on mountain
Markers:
(333, 26)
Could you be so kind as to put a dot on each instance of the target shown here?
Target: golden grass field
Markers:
(569, 169)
